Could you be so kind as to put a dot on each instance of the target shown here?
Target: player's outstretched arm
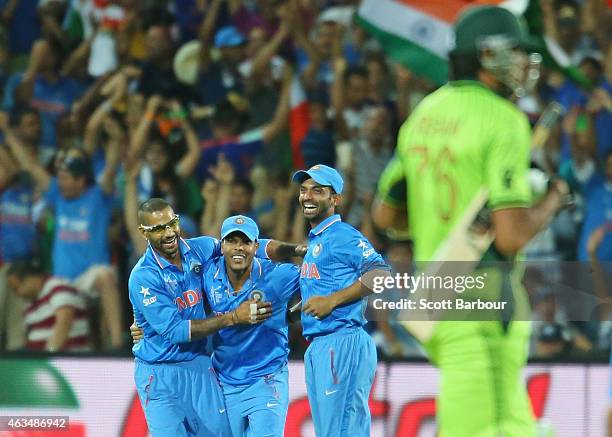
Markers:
(243, 315)
(280, 251)
(321, 306)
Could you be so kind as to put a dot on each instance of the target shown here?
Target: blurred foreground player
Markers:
(341, 359)
(179, 392)
(465, 136)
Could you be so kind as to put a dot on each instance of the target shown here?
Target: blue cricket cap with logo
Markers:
(240, 223)
(321, 174)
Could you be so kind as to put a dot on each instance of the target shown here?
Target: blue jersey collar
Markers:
(163, 262)
(324, 225)
(221, 273)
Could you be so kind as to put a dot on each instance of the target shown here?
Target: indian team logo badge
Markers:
(257, 295)
(239, 221)
(315, 167)
(316, 251)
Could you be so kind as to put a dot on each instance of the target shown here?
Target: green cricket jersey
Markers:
(460, 138)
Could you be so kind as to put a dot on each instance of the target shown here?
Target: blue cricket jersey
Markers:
(244, 353)
(337, 256)
(17, 228)
(81, 227)
(165, 298)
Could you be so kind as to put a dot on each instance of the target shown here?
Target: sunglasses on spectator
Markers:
(162, 227)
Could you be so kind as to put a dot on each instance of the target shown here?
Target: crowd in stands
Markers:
(106, 103)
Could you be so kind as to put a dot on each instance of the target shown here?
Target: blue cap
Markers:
(240, 223)
(323, 175)
(228, 36)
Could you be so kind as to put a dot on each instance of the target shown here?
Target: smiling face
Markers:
(317, 201)
(238, 252)
(162, 230)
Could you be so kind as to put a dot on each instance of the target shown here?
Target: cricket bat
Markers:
(467, 242)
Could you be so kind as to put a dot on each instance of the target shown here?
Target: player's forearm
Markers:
(63, 322)
(359, 289)
(542, 213)
(279, 250)
(205, 327)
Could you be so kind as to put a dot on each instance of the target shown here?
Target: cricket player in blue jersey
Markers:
(341, 359)
(251, 361)
(174, 376)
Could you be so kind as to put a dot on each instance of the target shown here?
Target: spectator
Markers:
(17, 233)
(371, 152)
(598, 212)
(319, 145)
(240, 147)
(56, 317)
(82, 209)
(18, 15)
(218, 77)
(166, 172)
(157, 71)
(44, 88)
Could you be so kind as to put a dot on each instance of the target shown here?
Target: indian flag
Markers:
(299, 121)
(419, 33)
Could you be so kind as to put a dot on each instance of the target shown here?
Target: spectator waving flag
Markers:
(418, 34)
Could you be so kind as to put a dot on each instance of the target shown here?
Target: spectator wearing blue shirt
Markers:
(178, 390)
(18, 234)
(82, 211)
(238, 146)
(43, 87)
(341, 359)
(251, 361)
(598, 213)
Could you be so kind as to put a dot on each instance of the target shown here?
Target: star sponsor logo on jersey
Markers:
(367, 250)
(257, 295)
(316, 251)
(147, 300)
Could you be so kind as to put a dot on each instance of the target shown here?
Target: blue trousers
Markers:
(182, 399)
(340, 371)
(258, 409)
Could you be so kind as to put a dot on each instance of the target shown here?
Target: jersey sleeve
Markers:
(262, 250)
(206, 247)
(507, 164)
(392, 188)
(288, 279)
(158, 308)
(356, 251)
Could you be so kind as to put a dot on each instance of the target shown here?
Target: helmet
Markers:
(494, 34)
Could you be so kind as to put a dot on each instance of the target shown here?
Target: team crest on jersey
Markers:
(239, 221)
(257, 296)
(316, 251)
(196, 268)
